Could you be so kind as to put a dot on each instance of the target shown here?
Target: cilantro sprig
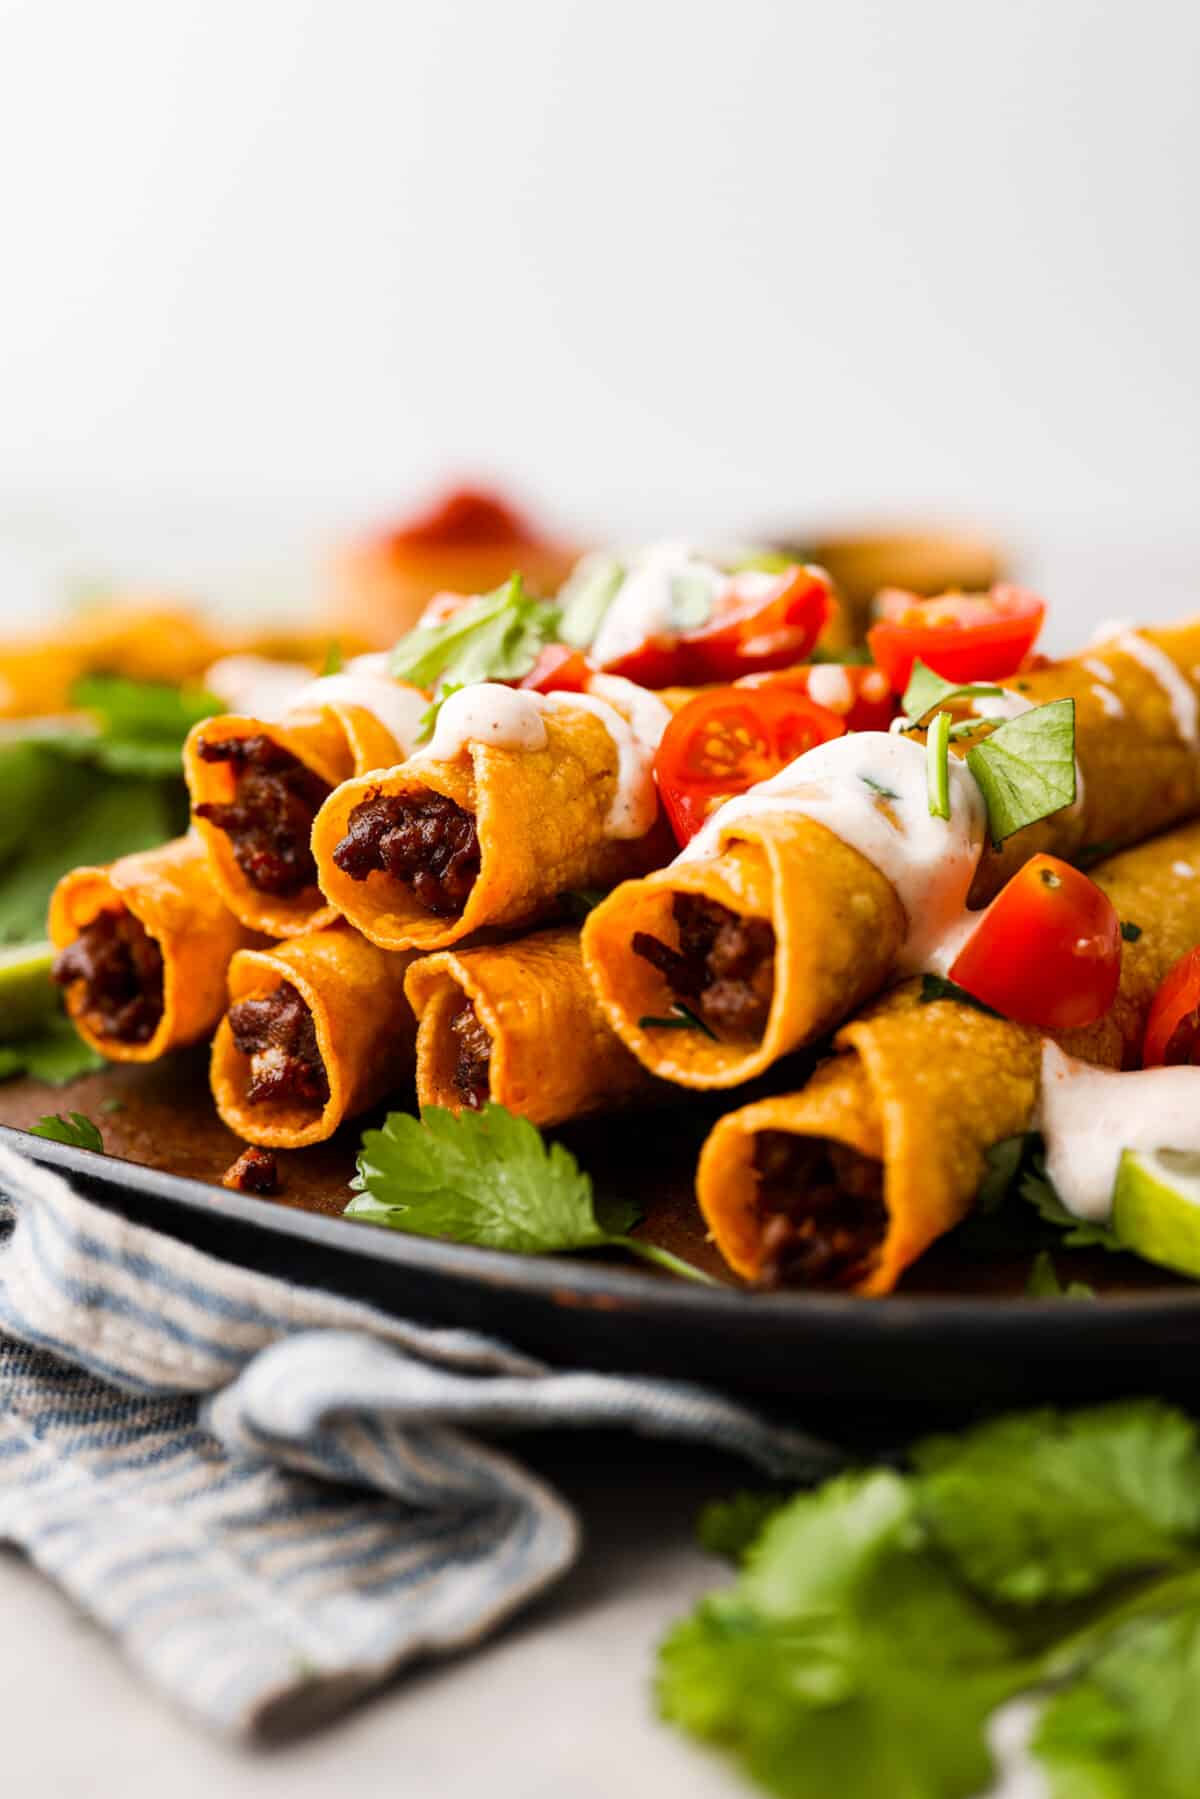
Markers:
(880, 1621)
(1026, 767)
(926, 690)
(497, 636)
(490, 1178)
(76, 1129)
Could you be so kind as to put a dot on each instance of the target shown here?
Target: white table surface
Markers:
(557, 1706)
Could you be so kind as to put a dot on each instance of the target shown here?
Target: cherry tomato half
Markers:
(962, 637)
(1047, 951)
(861, 695)
(559, 669)
(761, 622)
(726, 740)
(464, 515)
(1173, 1027)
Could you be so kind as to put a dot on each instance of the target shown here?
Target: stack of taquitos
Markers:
(797, 929)
(845, 1183)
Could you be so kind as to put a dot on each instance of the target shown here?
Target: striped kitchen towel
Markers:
(273, 1497)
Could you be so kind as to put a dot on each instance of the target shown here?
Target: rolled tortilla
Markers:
(518, 1023)
(346, 1010)
(165, 938)
(899, 1121)
(533, 823)
(327, 743)
(830, 926)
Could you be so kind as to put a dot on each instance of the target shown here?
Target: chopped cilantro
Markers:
(75, 1129)
(578, 902)
(334, 661)
(680, 1018)
(1043, 1282)
(936, 986)
(885, 793)
(1026, 768)
(1091, 853)
(728, 1527)
(54, 1053)
(1130, 932)
(926, 690)
(489, 1178)
(427, 723)
(585, 598)
(495, 637)
(937, 765)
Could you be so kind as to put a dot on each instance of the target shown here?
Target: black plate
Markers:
(916, 1351)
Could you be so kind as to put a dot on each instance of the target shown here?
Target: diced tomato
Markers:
(962, 637)
(559, 669)
(861, 695)
(761, 622)
(1047, 951)
(464, 516)
(728, 739)
(1173, 1027)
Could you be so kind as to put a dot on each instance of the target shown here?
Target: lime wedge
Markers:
(1156, 1206)
(27, 995)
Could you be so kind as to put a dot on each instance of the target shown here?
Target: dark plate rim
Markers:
(579, 1280)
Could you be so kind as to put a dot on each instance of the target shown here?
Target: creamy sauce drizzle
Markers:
(831, 687)
(398, 707)
(644, 603)
(1089, 1115)
(1110, 702)
(511, 719)
(1094, 666)
(929, 861)
(1179, 691)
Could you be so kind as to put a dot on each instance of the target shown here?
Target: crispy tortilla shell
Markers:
(170, 890)
(553, 1055)
(365, 1032)
(540, 818)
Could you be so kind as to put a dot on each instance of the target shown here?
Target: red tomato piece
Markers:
(465, 515)
(727, 740)
(861, 695)
(962, 637)
(1173, 1027)
(1047, 951)
(559, 669)
(760, 623)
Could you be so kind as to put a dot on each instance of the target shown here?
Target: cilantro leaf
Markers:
(586, 596)
(1130, 932)
(1041, 1506)
(1078, 1233)
(936, 986)
(75, 1129)
(730, 1527)
(1026, 768)
(54, 1053)
(827, 1666)
(1130, 1727)
(427, 723)
(1043, 1282)
(495, 637)
(334, 660)
(926, 690)
(489, 1178)
(578, 902)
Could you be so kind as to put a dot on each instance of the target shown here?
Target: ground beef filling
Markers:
(119, 969)
(824, 1208)
(255, 1171)
(270, 818)
(474, 1055)
(278, 1035)
(424, 840)
(724, 968)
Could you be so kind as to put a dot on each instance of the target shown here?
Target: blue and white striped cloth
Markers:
(272, 1497)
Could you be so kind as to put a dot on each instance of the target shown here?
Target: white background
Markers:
(269, 266)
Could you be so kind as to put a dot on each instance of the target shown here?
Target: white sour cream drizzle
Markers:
(511, 719)
(1089, 1115)
(1094, 666)
(643, 605)
(1179, 691)
(398, 707)
(929, 861)
(1110, 702)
